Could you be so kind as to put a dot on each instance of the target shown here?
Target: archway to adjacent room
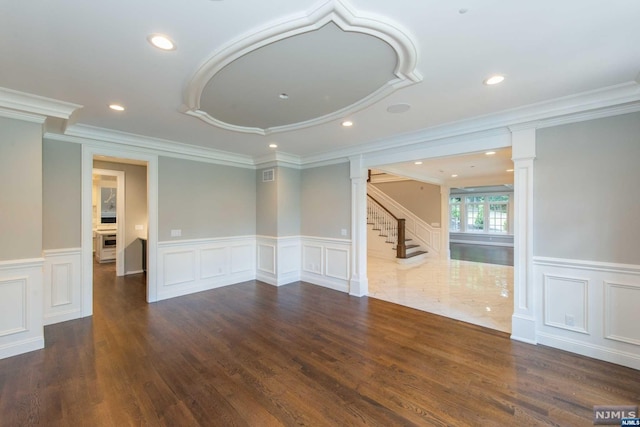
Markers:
(497, 280)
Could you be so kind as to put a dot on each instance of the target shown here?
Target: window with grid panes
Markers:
(454, 209)
(498, 214)
(474, 207)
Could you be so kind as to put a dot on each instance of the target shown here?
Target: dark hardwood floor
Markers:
(501, 255)
(252, 354)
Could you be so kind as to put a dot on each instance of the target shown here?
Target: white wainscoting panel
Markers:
(13, 304)
(267, 258)
(326, 262)
(312, 258)
(189, 266)
(62, 290)
(565, 303)
(214, 262)
(600, 299)
(21, 302)
(243, 257)
(278, 259)
(337, 263)
(179, 267)
(622, 312)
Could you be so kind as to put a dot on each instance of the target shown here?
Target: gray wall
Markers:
(289, 186)
(135, 210)
(326, 201)
(205, 200)
(20, 190)
(61, 196)
(267, 204)
(586, 194)
(420, 198)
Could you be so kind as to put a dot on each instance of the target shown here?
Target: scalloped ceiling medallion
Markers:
(302, 72)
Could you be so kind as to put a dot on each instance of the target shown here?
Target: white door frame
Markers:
(89, 150)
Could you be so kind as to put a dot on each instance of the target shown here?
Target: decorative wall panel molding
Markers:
(566, 303)
(622, 312)
(326, 262)
(21, 303)
(278, 259)
(13, 294)
(189, 266)
(601, 301)
(62, 289)
(267, 258)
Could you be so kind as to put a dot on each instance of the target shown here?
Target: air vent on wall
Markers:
(268, 175)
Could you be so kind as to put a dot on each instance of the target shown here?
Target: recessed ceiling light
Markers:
(454, 176)
(273, 145)
(161, 42)
(509, 170)
(347, 123)
(116, 107)
(417, 163)
(490, 153)
(494, 80)
(283, 96)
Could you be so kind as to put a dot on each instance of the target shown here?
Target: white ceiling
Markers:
(495, 168)
(96, 53)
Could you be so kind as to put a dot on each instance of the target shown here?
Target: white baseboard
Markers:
(631, 360)
(326, 282)
(20, 347)
(133, 272)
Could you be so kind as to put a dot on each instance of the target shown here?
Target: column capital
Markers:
(523, 144)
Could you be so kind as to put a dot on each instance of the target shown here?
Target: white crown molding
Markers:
(278, 159)
(81, 133)
(610, 101)
(34, 104)
(25, 117)
(599, 103)
(336, 11)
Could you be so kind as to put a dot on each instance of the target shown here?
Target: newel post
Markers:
(401, 247)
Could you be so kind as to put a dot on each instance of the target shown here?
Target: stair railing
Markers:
(390, 226)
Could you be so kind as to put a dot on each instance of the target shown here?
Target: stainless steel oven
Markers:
(108, 241)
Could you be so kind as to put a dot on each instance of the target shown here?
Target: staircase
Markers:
(392, 230)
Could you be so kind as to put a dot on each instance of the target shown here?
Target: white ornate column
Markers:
(523, 323)
(359, 283)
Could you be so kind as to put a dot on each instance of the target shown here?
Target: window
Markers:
(454, 208)
(480, 213)
(474, 207)
(498, 214)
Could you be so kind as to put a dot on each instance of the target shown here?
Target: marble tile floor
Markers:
(473, 292)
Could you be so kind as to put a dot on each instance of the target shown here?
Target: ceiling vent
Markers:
(268, 175)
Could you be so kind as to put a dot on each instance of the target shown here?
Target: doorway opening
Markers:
(119, 218)
(472, 277)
